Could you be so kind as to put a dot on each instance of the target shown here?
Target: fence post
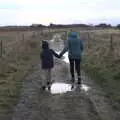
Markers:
(1, 47)
(23, 37)
(111, 43)
(88, 40)
(112, 46)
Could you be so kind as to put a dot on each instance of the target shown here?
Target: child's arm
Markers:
(65, 49)
(55, 54)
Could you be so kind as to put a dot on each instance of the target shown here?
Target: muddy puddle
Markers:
(60, 88)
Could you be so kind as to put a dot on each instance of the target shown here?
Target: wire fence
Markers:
(14, 43)
(103, 43)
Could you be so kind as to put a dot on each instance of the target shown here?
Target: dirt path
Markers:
(35, 104)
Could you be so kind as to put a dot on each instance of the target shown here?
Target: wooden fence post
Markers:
(1, 48)
(88, 40)
(23, 37)
(112, 46)
(111, 43)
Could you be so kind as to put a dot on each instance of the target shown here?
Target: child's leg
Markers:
(44, 80)
(49, 76)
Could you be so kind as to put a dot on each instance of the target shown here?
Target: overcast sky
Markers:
(26, 12)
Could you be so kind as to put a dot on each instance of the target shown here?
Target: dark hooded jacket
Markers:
(47, 61)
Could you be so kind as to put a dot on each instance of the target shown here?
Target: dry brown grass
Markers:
(102, 61)
(21, 52)
(15, 64)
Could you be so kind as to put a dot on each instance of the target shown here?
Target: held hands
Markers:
(60, 56)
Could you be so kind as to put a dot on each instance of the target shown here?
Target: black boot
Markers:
(79, 80)
(43, 87)
(73, 80)
(49, 85)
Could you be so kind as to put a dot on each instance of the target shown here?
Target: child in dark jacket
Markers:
(47, 63)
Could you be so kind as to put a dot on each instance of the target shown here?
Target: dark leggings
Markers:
(75, 63)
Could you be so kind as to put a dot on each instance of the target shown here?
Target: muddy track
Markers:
(35, 104)
(42, 105)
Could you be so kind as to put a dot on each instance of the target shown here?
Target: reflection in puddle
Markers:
(59, 88)
(52, 40)
(85, 87)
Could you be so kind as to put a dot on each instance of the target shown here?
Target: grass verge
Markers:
(11, 76)
(106, 73)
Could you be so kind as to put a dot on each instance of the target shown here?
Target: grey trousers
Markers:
(47, 76)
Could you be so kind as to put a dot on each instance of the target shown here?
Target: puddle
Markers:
(55, 37)
(85, 87)
(59, 88)
(52, 40)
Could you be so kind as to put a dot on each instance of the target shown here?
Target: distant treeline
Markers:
(58, 26)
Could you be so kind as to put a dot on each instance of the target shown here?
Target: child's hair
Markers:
(45, 45)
